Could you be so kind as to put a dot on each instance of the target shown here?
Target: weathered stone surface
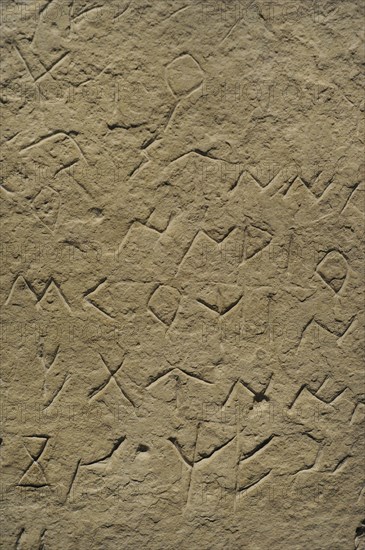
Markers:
(182, 320)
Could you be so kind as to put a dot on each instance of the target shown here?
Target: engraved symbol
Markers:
(199, 457)
(333, 270)
(111, 378)
(21, 293)
(34, 475)
(256, 239)
(93, 300)
(46, 206)
(221, 299)
(53, 298)
(164, 303)
(184, 75)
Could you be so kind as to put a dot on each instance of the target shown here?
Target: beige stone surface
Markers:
(182, 202)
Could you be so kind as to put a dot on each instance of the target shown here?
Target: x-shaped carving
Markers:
(34, 475)
(111, 378)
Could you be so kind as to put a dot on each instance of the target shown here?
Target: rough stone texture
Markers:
(182, 322)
